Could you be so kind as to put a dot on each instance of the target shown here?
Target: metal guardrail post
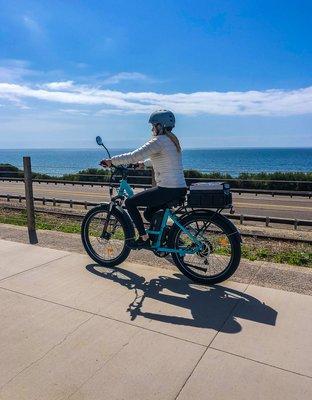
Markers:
(30, 208)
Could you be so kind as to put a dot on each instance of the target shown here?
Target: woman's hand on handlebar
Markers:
(106, 163)
(138, 165)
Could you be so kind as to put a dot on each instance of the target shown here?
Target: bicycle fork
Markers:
(106, 221)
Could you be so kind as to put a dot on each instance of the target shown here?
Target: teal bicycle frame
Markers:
(125, 190)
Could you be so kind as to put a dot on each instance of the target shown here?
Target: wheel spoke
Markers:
(215, 256)
(106, 245)
(196, 267)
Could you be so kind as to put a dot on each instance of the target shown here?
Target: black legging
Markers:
(153, 199)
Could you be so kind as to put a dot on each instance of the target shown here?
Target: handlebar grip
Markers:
(112, 165)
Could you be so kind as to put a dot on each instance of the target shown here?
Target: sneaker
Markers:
(138, 244)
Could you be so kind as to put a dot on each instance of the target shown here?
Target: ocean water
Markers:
(233, 161)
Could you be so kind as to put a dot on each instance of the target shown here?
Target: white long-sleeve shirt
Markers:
(164, 158)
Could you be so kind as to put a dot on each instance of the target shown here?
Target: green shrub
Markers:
(10, 171)
(245, 180)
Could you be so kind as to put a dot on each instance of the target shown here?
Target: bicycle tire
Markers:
(229, 230)
(127, 229)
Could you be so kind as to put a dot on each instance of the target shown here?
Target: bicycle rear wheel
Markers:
(106, 248)
(221, 252)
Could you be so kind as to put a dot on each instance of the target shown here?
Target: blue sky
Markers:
(236, 73)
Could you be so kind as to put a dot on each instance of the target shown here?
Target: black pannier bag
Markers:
(209, 195)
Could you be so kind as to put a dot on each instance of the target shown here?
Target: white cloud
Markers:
(58, 85)
(31, 24)
(74, 111)
(125, 76)
(275, 102)
(12, 70)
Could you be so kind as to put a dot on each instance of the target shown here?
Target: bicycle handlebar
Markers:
(122, 169)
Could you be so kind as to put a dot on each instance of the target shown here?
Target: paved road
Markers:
(278, 206)
(144, 333)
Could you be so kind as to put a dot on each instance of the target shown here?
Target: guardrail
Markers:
(240, 217)
(291, 193)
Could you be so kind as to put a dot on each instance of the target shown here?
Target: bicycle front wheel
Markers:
(221, 252)
(106, 248)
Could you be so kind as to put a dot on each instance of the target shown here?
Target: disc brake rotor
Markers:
(206, 250)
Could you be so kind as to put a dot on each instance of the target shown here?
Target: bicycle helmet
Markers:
(163, 117)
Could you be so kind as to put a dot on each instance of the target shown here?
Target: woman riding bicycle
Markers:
(163, 152)
(204, 244)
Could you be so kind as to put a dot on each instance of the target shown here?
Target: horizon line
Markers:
(185, 148)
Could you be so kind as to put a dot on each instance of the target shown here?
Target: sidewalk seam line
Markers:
(228, 316)
(102, 366)
(37, 266)
(264, 283)
(103, 316)
(224, 322)
(254, 277)
(261, 362)
(47, 352)
(191, 373)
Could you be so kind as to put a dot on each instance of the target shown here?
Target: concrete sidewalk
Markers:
(72, 329)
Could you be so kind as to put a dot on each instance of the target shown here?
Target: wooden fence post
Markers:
(30, 208)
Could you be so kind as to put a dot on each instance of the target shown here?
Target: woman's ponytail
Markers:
(174, 139)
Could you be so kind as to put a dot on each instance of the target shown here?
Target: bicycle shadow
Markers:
(209, 306)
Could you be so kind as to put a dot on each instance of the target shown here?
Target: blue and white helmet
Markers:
(163, 117)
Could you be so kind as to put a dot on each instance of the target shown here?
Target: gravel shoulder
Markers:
(278, 276)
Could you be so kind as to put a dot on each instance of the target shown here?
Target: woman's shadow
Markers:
(209, 306)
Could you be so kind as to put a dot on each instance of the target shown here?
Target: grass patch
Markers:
(252, 249)
(295, 254)
(43, 221)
